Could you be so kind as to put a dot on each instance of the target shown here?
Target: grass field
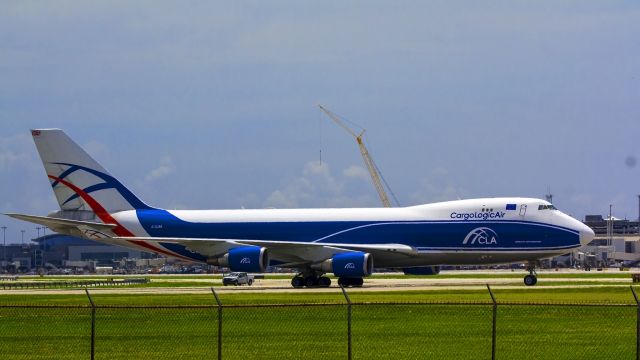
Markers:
(441, 323)
(380, 331)
(585, 295)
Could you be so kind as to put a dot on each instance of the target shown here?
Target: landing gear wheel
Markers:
(324, 281)
(530, 280)
(310, 281)
(297, 282)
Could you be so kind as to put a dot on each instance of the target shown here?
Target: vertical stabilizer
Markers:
(78, 181)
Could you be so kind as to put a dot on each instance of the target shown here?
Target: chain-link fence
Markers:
(321, 331)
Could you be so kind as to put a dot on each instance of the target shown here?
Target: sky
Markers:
(213, 105)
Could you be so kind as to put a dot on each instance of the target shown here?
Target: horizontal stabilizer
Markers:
(65, 225)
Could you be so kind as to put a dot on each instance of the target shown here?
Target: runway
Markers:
(499, 279)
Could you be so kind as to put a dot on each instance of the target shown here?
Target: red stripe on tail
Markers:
(96, 207)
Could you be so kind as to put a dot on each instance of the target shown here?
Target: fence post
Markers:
(493, 332)
(346, 296)
(635, 296)
(219, 323)
(93, 324)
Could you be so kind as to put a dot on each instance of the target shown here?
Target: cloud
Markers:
(278, 199)
(317, 186)
(14, 150)
(356, 172)
(165, 168)
(7, 158)
(437, 186)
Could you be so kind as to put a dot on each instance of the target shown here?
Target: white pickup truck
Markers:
(237, 278)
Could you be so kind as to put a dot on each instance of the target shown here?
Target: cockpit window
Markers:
(546, 207)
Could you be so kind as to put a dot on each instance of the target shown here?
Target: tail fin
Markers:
(78, 181)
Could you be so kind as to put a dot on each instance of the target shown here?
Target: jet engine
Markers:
(351, 264)
(244, 258)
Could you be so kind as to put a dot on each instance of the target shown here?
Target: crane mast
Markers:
(368, 161)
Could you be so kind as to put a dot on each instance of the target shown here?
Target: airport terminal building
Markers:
(616, 240)
(57, 251)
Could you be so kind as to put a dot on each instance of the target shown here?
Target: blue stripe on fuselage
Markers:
(432, 234)
(182, 250)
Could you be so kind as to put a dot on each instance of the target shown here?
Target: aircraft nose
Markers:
(586, 234)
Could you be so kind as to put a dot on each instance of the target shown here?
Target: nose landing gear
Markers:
(532, 278)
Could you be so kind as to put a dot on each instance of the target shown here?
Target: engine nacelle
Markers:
(351, 264)
(244, 258)
(422, 270)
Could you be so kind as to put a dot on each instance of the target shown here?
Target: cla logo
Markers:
(481, 235)
(350, 266)
(245, 260)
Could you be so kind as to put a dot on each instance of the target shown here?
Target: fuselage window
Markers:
(546, 207)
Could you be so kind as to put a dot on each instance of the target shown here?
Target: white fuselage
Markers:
(506, 229)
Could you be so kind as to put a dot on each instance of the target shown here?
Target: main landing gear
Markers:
(316, 280)
(310, 280)
(532, 278)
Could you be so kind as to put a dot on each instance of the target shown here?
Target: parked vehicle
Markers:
(237, 278)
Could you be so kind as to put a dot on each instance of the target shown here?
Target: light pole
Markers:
(35, 252)
(611, 232)
(44, 233)
(4, 245)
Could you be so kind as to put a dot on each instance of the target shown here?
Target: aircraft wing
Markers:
(313, 252)
(289, 252)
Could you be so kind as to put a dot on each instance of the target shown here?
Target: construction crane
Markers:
(376, 176)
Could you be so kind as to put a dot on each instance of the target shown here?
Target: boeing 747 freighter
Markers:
(350, 243)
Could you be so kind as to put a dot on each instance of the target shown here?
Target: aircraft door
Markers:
(523, 209)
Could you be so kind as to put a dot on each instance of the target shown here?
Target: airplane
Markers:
(417, 239)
